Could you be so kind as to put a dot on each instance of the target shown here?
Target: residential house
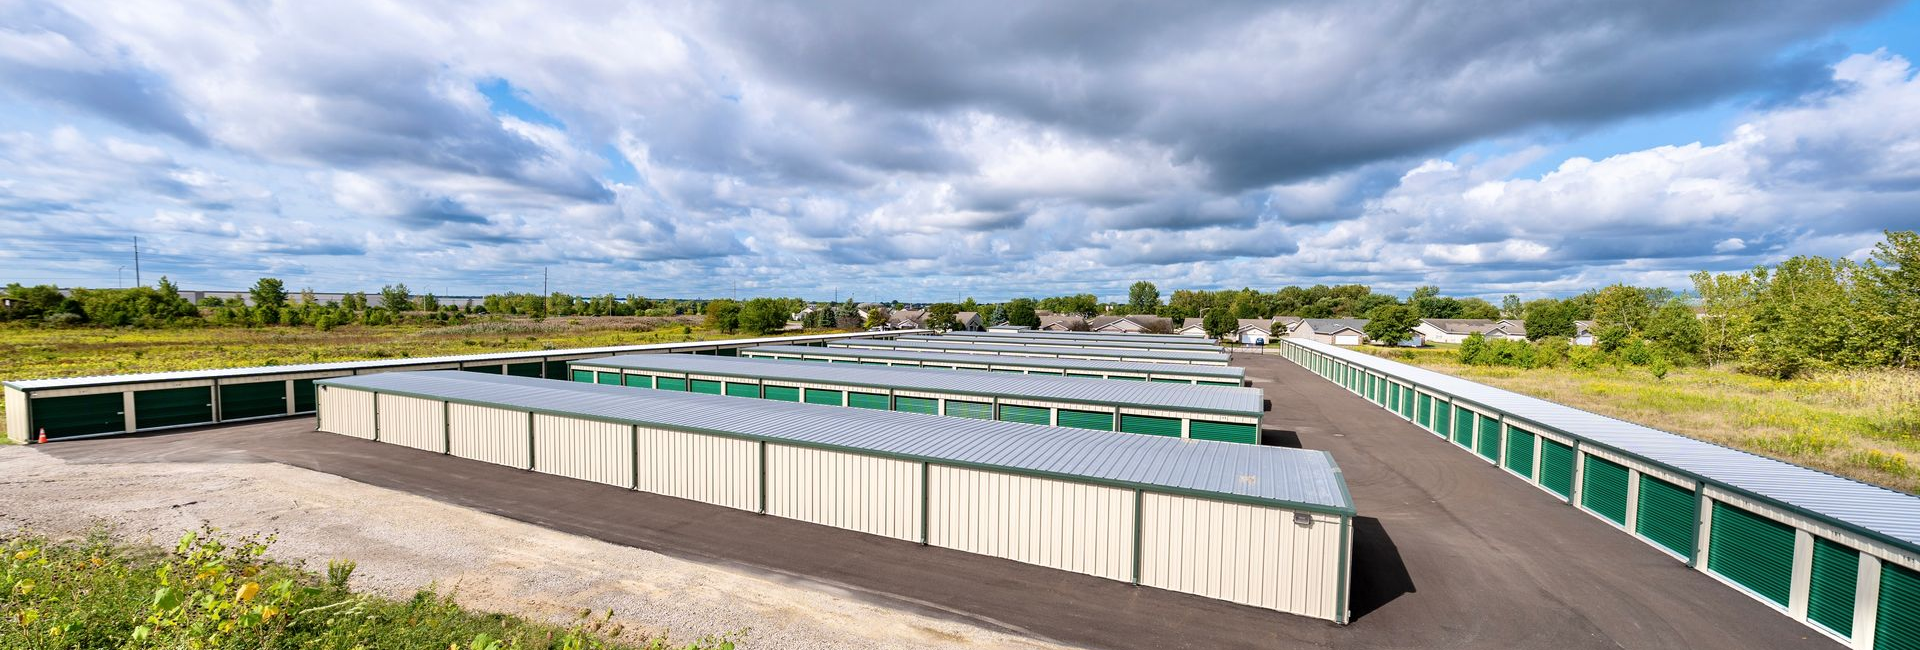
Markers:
(1284, 324)
(1253, 331)
(907, 319)
(1062, 323)
(1583, 332)
(968, 321)
(1456, 330)
(1192, 327)
(1337, 331)
(1131, 324)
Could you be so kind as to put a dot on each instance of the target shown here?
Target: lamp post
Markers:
(120, 277)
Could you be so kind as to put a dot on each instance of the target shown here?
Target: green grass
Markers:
(51, 352)
(1859, 424)
(211, 593)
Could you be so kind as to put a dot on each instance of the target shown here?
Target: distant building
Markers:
(1583, 332)
(1192, 327)
(1456, 330)
(1062, 323)
(1337, 331)
(1253, 331)
(1133, 324)
(968, 321)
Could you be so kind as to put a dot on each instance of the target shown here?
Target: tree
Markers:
(723, 315)
(877, 317)
(1727, 302)
(940, 316)
(268, 292)
(1676, 332)
(999, 316)
(1391, 324)
(396, 298)
(1892, 279)
(1020, 311)
(1084, 304)
(1476, 308)
(1219, 323)
(1621, 306)
(763, 315)
(1143, 298)
(431, 302)
(1510, 307)
(1549, 318)
(1473, 348)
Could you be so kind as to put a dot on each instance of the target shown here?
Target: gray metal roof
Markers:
(488, 358)
(1102, 336)
(1012, 348)
(1234, 373)
(1231, 471)
(1891, 515)
(1233, 400)
(1191, 344)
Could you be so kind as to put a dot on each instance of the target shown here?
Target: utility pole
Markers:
(136, 261)
(546, 297)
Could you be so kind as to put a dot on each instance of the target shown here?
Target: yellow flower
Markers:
(266, 613)
(248, 591)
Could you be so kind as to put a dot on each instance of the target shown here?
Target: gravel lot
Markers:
(404, 542)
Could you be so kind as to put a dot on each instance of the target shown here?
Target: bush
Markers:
(1551, 351)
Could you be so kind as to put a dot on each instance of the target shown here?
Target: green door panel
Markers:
(583, 376)
(737, 389)
(77, 415)
(1520, 451)
(303, 396)
(1424, 415)
(1487, 444)
(490, 370)
(1083, 375)
(1017, 372)
(556, 369)
(1217, 383)
(609, 378)
(1086, 420)
(1027, 414)
(1149, 425)
(827, 397)
(1603, 489)
(530, 369)
(869, 401)
(252, 400)
(1125, 378)
(1556, 467)
(728, 352)
(1242, 433)
(1753, 551)
(670, 383)
(1898, 626)
(638, 381)
(1406, 402)
(1463, 426)
(172, 407)
(1055, 373)
(975, 410)
(705, 386)
(1163, 380)
(1830, 590)
(1667, 515)
(925, 405)
(1442, 419)
(782, 393)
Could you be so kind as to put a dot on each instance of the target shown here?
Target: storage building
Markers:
(1015, 349)
(1173, 373)
(1108, 342)
(1263, 526)
(1181, 411)
(1083, 336)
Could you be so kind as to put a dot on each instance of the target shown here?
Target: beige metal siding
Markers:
(1076, 527)
(16, 414)
(413, 422)
(584, 449)
(1241, 553)
(346, 412)
(709, 469)
(489, 434)
(878, 496)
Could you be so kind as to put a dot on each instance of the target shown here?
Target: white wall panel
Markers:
(17, 414)
(584, 449)
(489, 434)
(1075, 527)
(878, 496)
(1245, 554)
(346, 412)
(709, 469)
(413, 422)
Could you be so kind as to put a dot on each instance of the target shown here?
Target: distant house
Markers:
(968, 321)
(1131, 324)
(907, 319)
(1456, 330)
(1583, 332)
(1253, 331)
(1284, 324)
(1062, 323)
(1337, 331)
(1192, 327)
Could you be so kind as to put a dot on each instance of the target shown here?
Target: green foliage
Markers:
(1143, 298)
(764, 315)
(1549, 318)
(1676, 333)
(1020, 311)
(1391, 324)
(1219, 323)
(396, 298)
(723, 315)
(1085, 304)
(268, 292)
(940, 316)
(1472, 348)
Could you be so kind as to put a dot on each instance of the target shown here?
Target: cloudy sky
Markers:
(963, 149)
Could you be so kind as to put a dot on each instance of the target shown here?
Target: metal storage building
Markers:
(84, 407)
(1836, 554)
(1090, 336)
(1173, 373)
(1062, 342)
(1014, 349)
(1182, 411)
(1263, 526)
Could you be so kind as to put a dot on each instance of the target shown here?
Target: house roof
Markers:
(1331, 325)
(1462, 325)
(1060, 319)
(964, 316)
(1254, 323)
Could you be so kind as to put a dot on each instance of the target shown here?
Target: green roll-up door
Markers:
(1017, 372)
(705, 386)
(737, 389)
(1442, 419)
(638, 381)
(490, 370)
(975, 410)
(1055, 373)
(1463, 426)
(1027, 414)
(1164, 380)
(874, 363)
(1666, 515)
(609, 378)
(1897, 625)
(869, 401)
(583, 376)
(1520, 451)
(261, 399)
(556, 369)
(1753, 551)
(172, 407)
(1086, 420)
(925, 405)
(931, 365)
(1217, 383)
(1083, 375)
(728, 352)
(1406, 402)
(1488, 442)
(531, 369)
(846, 361)
(1243, 433)
(670, 383)
(1150, 425)
(1424, 415)
(1556, 467)
(1836, 569)
(827, 397)
(78, 415)
(1603, 489)
(1126, 378)
(782, 393)
(303, 396)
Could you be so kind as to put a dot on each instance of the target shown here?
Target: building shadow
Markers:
(1379, 575)
(1279, 438)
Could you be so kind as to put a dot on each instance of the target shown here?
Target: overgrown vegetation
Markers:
(212, 593)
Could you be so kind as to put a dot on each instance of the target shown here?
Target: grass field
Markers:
(1861, 424)
(47, 352)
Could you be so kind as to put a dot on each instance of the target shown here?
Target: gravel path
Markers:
(404, 542)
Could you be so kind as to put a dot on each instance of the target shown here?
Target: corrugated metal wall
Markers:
(17, 415)
(1246, 554)
(878, 496)
(708, 469)
(346, 412)
(601, 452)
(1071, 526)
(413, 422)
(487, 434)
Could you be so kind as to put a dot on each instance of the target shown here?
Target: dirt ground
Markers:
(489, 562)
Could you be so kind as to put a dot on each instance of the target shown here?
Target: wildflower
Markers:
(248, 591)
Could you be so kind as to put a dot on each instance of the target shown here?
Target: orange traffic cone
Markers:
(43, 435)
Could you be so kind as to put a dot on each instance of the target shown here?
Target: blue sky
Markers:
(961, 149)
